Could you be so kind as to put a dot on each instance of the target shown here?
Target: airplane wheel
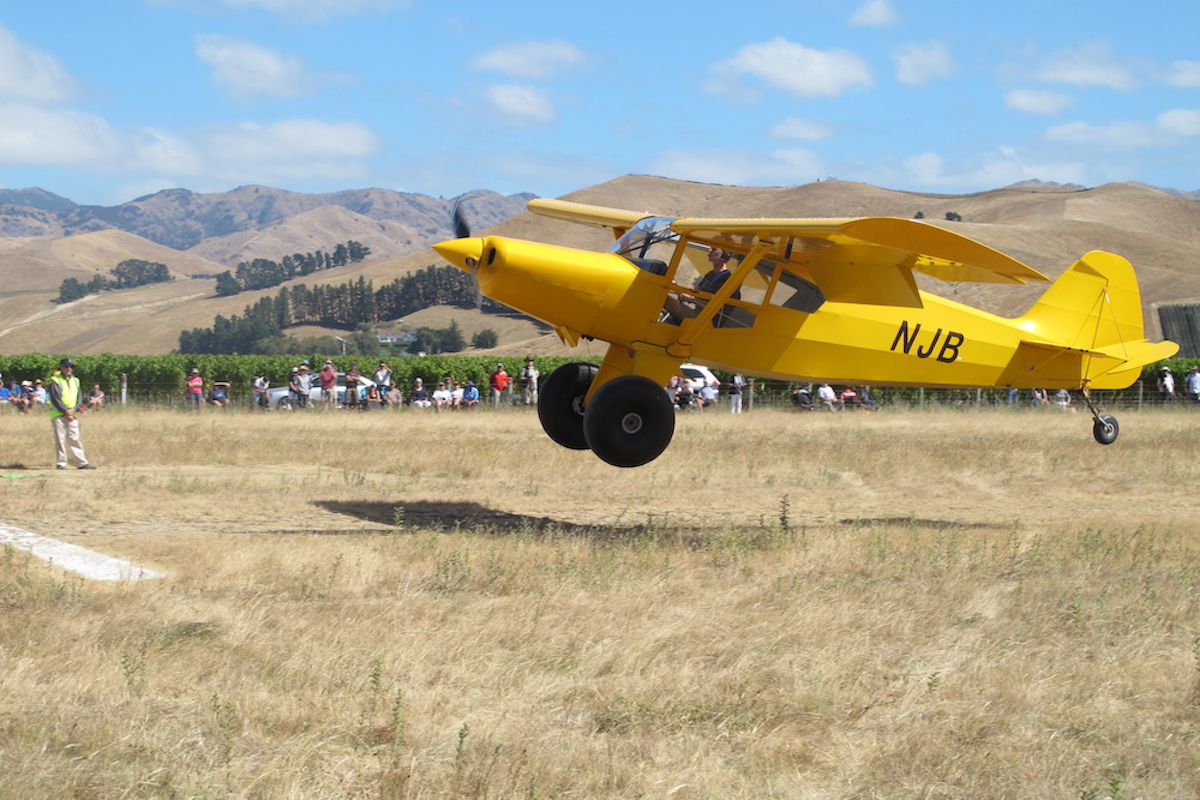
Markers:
(560, 403)
(629, 421)
(1105, 429)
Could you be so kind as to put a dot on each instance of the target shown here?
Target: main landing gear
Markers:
(628, 423)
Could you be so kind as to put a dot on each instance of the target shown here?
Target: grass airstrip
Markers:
(413, 605)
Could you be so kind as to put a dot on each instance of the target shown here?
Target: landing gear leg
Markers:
(1104, 426)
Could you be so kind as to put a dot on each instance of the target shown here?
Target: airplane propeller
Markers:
(462, 230)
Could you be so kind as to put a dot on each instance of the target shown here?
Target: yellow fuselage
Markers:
(938, 343)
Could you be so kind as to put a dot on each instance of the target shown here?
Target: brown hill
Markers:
(1047, 227)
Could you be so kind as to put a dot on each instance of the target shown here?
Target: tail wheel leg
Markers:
(1104, 426)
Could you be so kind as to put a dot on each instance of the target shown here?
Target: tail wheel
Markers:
(560, 403)
(1105, 428)
(629, 421)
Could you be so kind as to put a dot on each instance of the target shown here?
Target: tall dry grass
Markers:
(419, 605)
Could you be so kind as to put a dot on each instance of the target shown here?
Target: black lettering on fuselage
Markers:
(948, 352)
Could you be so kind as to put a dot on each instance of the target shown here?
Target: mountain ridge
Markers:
(1047, 227)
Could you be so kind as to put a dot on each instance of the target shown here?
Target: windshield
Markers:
(638, 240)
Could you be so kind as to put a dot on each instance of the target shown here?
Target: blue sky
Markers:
(104, 101)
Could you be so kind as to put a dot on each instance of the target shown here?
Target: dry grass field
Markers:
(970, 605)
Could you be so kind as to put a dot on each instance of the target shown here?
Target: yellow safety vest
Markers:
(68, 393)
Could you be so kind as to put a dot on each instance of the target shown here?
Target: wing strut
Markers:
(702, 322)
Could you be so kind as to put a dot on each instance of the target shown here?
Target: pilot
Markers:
(678, 307)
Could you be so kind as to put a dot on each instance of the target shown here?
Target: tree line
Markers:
(263, 273)
(126, 275)
(346, 306)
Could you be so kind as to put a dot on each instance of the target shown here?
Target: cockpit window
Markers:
(638, 241)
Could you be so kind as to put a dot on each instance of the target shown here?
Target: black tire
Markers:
(284, 404)
(1105, 429)
(560, 403)
(629, 421)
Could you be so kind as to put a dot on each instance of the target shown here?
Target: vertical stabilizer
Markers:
(1094, 304)
(1088, 322)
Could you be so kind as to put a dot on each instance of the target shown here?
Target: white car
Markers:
(698, 376)
(278, 396)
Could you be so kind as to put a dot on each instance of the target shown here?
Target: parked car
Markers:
(278, 396)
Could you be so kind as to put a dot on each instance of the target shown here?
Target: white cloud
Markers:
(293, 139)
(875, 12)
(1120, 135)
(1185, 74)
(27, 73)
(318, 10)
(163, 153)
(1033, 101)
(741, 168)
(531, 59)
(248, 71)
(1092, 64)
(796, 69)
(33, 134)
(522, 104)
(1180, 121)
(795, 128)
(921, 63)
(1002, 167)
(289, 150)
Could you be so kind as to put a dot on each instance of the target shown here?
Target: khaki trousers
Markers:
(66, 437)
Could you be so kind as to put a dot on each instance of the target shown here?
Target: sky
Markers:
(103, 102)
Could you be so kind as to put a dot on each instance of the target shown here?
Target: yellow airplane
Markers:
(796, 299)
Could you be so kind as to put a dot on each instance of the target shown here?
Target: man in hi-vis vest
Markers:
(66, 400)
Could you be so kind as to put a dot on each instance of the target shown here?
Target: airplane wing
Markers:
(852, 260)
(865, 260)
(600, 216)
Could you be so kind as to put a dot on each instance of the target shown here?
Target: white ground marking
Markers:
(88, 563)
